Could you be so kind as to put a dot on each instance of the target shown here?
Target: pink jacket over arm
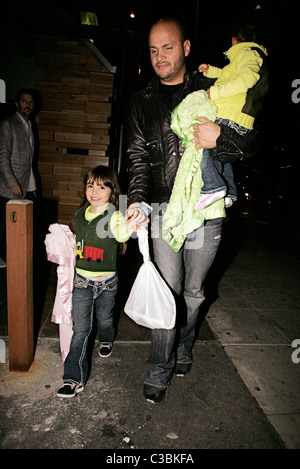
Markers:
(60, 247)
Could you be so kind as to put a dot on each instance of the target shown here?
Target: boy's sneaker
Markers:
(70, 390)
(105, 350)
(207, 199)
(2, 263)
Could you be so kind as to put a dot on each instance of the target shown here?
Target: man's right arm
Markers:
(225, 144)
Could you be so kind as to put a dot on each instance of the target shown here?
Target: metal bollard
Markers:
(19, 264)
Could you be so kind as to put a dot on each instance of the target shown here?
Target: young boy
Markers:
(237, 93)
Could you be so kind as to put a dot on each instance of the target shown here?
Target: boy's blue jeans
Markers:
(216, 175)
(87, 295)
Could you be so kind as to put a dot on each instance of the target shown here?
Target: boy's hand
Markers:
(135, 226)
(135, 218)
(203, 68)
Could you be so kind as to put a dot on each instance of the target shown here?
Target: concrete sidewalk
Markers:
(256, 319)
(242, 391)
(209, 409)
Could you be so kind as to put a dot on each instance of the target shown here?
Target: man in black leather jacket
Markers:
(152, 157)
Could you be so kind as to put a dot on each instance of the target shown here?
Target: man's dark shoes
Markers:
(105, 350)
(153, 394)
(182, 369)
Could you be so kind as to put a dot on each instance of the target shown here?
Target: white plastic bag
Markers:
(150, 302)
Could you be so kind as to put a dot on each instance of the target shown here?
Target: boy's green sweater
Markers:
(96, 246)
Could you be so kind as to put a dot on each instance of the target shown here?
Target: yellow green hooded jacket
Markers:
(241, 84)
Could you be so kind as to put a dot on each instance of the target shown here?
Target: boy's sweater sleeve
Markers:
(248, 67)
(213, 72)
(118, 227)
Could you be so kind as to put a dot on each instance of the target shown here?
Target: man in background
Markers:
(17, 179)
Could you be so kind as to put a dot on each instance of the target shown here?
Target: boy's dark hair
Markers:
(250, 27)
(109, 178)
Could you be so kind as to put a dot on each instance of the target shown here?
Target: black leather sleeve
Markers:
(231, 146)
(136, 158)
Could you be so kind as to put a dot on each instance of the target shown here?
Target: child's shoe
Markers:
(207, 199)
(70, 390)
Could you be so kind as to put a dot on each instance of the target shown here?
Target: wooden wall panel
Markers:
(73, 124)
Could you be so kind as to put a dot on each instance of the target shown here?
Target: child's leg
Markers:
(104, 306)
(76, 366)
(65, 337)
(211, 174)
(214, 187)
(231, 187)
(228, 170)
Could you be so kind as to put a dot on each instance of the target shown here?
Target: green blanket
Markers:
(180, 217)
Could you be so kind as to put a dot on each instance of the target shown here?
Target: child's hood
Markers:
(237, 48)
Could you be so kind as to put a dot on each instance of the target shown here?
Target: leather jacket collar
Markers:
(152, 89)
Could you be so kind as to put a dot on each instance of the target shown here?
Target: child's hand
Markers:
(203, 68)
(132, 225)
(135, 218)
(208, 93)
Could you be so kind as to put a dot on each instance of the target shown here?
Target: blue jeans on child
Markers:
(216, 175)
(88, 294)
